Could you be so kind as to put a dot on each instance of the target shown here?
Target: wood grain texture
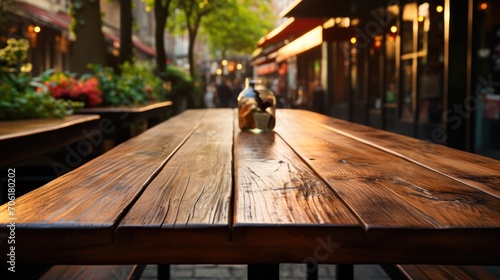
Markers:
(432, 272)
(21, 128)
(475, 170)
(275, 189)
(25, 139)
(193, 190)
(94, 197)
(196, 189)
(386, 191)
(103, 272)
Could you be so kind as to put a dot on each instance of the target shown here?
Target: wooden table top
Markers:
(24, 139)
(196, 189)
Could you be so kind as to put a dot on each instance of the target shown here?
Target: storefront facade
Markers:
(425, 69)
(46, 25)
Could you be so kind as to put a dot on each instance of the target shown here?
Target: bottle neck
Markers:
(255, 82)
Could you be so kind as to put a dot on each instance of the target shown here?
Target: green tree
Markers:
(238, 30)
(189, 16)
(161, 13)
(89, 46)
(4, 19)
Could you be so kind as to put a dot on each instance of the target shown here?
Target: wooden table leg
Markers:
(263, 271)
(345, 272)
(312, 271)
(163, 272)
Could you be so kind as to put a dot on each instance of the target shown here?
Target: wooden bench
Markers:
(433, 272)
(129, 121)
(95, 272)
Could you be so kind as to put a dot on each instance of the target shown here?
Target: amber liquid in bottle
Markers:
(256, 106)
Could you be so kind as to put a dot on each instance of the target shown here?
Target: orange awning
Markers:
(62, 22)
(304, 43)
(266, 69)
(289, 30)
(59, 19)
(331, 8)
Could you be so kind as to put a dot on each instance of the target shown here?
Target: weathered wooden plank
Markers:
(25, 139)
(280, 200)
(193, 190)
(20, 128)
(95, 272)
(398, 201)
(475, 170)
(92, 198)
(431, 272)
(384, 190)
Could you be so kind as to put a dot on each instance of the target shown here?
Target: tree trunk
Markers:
(89, 46)
(161, 15)
(126, 20)
(193, 32)
(192, 68)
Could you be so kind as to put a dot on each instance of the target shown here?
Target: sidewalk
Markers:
(239, 272)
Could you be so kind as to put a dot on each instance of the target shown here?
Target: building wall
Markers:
(413, 72)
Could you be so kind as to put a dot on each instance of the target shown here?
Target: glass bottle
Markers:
(256, 106)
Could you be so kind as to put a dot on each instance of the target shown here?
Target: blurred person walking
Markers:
(237, 88)
(318, 98)
(281, 93)
(210, 98)
(224, 93)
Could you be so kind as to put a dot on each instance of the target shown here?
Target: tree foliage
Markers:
(188, 15)
(231, 26)
(238, 30)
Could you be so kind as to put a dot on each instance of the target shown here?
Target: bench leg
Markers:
(263, 271)
(345, 272)
(163, 272)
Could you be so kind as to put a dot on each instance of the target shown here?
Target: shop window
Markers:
(430, 63)
(486, 78)
(409, 31)
(422, 52)
(391, 43)
(375, 76)
(407, 89)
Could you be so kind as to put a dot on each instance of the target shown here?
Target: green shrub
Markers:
(136, 84)
(20, 96)
(19, 100)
